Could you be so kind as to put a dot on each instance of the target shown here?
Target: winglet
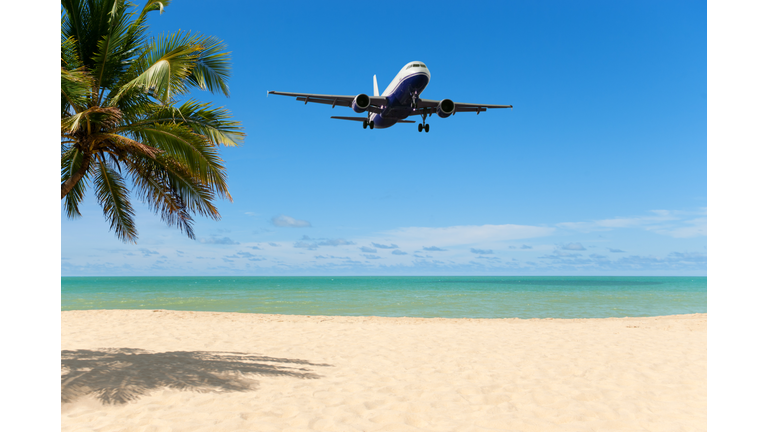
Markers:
(375, 87)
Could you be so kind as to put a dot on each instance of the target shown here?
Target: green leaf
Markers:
(71, 161)
(113, 197)
(188, 148)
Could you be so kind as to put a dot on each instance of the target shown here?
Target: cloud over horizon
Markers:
(481, 251)
(677, 224)
(219, 240)
(574, 246)
(381, 246)
(466, 234)
(434, 249)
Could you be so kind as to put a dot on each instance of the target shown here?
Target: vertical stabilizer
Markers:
(375, 87)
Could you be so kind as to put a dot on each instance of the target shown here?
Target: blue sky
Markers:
(601, 168)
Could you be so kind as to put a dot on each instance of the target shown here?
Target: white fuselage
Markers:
(409, 83)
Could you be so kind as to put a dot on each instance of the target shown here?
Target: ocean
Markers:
(427, 296)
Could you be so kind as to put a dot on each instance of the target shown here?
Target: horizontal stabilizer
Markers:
(351, 118)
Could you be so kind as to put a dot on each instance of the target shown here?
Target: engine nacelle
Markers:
(361, 103)
(445, 108)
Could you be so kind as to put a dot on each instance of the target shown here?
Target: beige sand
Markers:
(202, 371)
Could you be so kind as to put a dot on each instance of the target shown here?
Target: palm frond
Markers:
(71, 160)
(188, 148)
(74, 24)
(123, 146)
(107, 118)
(135, 40)
(109, 59)
(70, 58)
(164, 67)
(216, 124)
(114, 199)
(211, 70)
(76, 88)
(197, 196)
(164, 175)
(152, 186)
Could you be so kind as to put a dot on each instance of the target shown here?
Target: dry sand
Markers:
(143, 370)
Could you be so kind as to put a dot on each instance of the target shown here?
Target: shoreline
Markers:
(187, 371)
(691, 315)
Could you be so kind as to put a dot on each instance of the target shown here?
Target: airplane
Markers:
(399, 101)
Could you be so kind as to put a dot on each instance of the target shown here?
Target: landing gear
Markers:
(424, 126)
(371, 124)
(365, 124)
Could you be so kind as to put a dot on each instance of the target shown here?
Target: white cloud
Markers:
(666, 222)
(466, 234)
(284, 221)
(382, 246)
(219, 241)
(335, 242)
(692, 228)
(481, 251)
(574, 246)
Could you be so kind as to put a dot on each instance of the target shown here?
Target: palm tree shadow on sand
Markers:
(121, 375)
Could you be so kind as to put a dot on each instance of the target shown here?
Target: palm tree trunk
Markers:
(72, 181)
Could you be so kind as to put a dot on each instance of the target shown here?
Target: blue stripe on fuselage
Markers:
(399, 102)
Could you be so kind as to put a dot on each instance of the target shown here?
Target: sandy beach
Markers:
(144, 370)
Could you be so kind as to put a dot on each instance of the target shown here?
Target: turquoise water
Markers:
(448, 297)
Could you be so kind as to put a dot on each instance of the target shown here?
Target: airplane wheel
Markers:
(426, 128)
(365, 124)
(421, 127)
(371, 123)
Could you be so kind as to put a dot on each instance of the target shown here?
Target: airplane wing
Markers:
(377, 102)
(429, 106)
(366, 119)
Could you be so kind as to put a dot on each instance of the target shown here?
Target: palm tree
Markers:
(121, 116)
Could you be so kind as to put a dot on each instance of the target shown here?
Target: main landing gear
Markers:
(366, 124)
(424, 126)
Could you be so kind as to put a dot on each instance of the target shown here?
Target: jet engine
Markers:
(445, 108)
(361, 103)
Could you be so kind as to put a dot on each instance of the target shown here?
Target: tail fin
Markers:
(375, 87)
